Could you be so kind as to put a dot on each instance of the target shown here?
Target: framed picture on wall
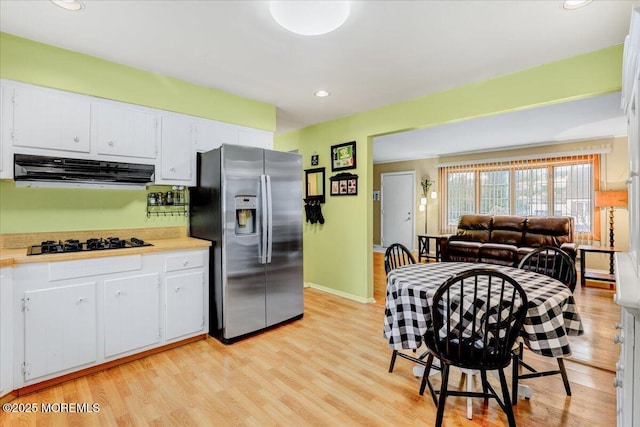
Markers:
(343, 156)
(344, 184)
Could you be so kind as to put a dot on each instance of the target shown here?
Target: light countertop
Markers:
(10, 257)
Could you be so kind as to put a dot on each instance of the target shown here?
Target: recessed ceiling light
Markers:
(74, 5)
(575, 4)
(310, 18)
(322, 93)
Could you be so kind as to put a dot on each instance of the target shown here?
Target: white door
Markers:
(50, 119)
(185, 304)
(131, 313)
(177, 149)
(125, 131)
(398, 195)
(59, 329)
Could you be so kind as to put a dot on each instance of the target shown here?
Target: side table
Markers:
(593, 274)
(424, 246)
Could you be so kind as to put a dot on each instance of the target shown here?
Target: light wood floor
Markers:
(328, 369)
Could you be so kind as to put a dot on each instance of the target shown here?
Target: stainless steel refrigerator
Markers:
(249, 201)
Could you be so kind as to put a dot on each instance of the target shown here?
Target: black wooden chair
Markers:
(476, 316)
(552, 262)
(555, 263)
(397, 255)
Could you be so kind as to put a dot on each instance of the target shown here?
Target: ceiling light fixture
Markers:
(310, 18)
(322, 93)
(575, 4)
(74, 5)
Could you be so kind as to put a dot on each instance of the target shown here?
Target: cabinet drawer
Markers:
(93, 267)
(185, 261)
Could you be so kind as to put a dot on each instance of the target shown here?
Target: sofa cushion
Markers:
(460, 250)
(475, 228)
(548, 231)
(508, 229)
(497, 253)
(522, 252)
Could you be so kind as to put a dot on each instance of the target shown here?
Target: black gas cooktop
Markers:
(73, 245)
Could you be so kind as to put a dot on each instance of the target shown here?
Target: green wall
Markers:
(57, 209)
(39, 209)
(338, 255)
(31, 62)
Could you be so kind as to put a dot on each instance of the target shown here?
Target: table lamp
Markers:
(611, 199)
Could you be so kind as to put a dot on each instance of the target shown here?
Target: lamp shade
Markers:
(614, 199)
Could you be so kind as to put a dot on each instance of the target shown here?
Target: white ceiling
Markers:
(597, 117)
(386, 52)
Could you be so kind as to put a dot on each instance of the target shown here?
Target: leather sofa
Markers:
(505, 240)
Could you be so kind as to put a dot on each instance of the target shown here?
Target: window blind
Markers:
(558, 186)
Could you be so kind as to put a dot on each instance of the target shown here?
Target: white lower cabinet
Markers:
(131, 313)
(62, 317)
(59, 329)
(185, 304)
(6, 331)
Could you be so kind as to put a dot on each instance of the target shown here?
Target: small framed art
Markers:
(344, 184)
(343, 156)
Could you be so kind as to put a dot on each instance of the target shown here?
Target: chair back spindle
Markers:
(552, 262)
(397, 255)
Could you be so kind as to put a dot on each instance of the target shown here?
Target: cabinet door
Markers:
(185, 304)
(6, 331)
(131, 313)
(44, 118)
(125, 131)
(211, 135)
(59, 329)
(176, 149)
(255, 138)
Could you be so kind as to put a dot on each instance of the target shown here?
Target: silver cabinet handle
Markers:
(110, 143)
(80, 300)
(76, 139)
(617, 339)
(617, 382)
(618, 326)
(172, 169)
(185, 263)
(117, 294)
(177, 288)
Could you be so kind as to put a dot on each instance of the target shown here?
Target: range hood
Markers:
(43, 171)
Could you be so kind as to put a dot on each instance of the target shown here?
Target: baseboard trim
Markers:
(340, 293)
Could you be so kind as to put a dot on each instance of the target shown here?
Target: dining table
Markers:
(552, 314)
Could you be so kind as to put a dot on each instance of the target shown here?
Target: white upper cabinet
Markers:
(122, 130)
(177, 156)
(255, 138)
(48, 122)
(49, 119)
(4, 134)
(211, 135)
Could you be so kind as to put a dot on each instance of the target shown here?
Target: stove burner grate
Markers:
(93, 244)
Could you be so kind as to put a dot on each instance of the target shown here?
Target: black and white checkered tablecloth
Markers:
(552, 314)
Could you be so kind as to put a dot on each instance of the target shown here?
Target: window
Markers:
(542, 187)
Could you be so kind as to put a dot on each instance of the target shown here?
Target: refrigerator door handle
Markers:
(263, 197)
(269, 220)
